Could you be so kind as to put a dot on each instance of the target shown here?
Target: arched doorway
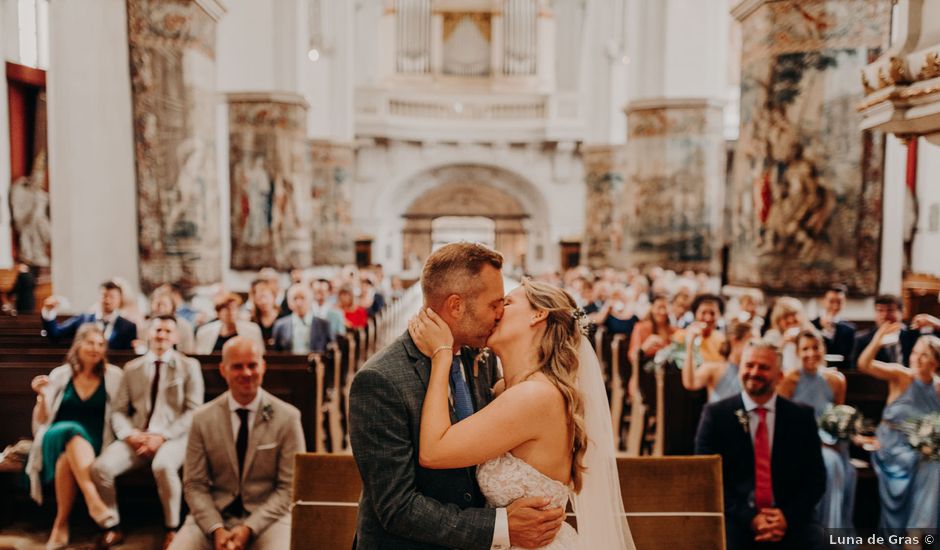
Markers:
(465, 210)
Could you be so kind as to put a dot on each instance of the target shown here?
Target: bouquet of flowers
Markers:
(923, 434)
(673, 354)
(840, 423)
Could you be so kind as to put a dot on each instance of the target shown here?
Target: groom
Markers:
(404, 506)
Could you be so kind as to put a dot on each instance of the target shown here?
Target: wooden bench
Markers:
(672, 503)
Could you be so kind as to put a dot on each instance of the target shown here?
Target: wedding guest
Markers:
(839, 335)
(273, 278)
(720, 378)
(679, 312)
(897, 346)
(371, 296)
(264, 310)
(356, 316)
(238, 485)
(323, 309)
(212, 336)
(70, 427)
(301, 332)
(617, 315)
(772, 463)
(119, 332)
(162, 304)
(820, 387)
(748, 304)
(908, 485)
(24, 289)
(708, 309)
(652, 333)
(151, 418)
(787, 320)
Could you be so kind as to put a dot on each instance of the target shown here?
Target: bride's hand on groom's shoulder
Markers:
(430, 333)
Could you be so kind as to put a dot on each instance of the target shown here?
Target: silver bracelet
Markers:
(440, 349)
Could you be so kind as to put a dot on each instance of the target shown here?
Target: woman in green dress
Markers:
(71, 424)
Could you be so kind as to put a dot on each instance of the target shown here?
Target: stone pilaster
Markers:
(672, 201)
(806, 189)
(332, 233)
(172, 62)
(272, 209)
(603, 224)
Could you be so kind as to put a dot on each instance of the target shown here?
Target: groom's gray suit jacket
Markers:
(403, 505)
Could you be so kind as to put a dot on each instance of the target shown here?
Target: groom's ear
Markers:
(453, 306)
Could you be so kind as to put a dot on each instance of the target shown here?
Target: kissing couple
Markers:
(452, 454)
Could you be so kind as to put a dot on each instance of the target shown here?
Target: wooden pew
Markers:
(326, 501)
(672, 503)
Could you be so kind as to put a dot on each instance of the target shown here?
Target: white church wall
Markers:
(892, 228)
(91, 150)
(245, 51)
(384, 188)
(927, 241)
(6, 234)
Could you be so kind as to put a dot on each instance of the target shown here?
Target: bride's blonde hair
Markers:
(558, 360)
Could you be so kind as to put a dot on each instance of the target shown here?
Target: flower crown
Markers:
(582, 322)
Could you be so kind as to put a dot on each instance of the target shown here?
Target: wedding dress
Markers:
(599, 506)
(507, 478)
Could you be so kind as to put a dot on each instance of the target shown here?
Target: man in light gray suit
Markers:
(240, 461)
(151, 418)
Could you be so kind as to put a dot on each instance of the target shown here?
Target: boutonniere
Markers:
(267, 411)
(743, 420)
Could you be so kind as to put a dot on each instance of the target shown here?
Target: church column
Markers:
(6, 232)
(677, 80)
(806, 188)
(674, 182)
(604, 175)
(333, 237)
(172, 48)
(269, 175)
(91, 149)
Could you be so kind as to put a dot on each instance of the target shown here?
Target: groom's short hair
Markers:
(451, 270)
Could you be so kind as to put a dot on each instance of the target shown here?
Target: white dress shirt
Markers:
(157, 424)
(252, 411)
(300, 332)
(751, 407)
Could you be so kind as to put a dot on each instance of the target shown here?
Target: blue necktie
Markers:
(463, 405)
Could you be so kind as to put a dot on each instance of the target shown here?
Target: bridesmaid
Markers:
(820, 387)
(719, 377)
(909, 487)
(71, 424)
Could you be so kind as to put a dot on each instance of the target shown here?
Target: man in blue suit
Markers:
(301, 332)
(119, 331)
(838, 334)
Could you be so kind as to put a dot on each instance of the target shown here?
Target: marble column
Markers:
(332, 232)
(270, 186)
(91, 150)
(603, 223)
(172, 59)
(806, 187)
(6, 229)
(672, 201)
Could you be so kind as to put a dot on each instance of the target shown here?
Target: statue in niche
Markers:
(258, 192)
(188, 213)
(29, 203)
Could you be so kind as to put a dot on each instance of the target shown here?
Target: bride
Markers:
(548, 433)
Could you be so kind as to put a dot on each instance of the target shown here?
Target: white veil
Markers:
(602, 523)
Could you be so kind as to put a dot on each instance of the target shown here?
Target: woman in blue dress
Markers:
(820, 387)
(720, 378)
(71, 424)
(909, 486)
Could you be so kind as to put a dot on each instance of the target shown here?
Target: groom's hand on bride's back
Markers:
(531, 525)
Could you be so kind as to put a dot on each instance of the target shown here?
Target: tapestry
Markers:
(807, 182)
(332, 234)
(272, 206)
(675, 178)
(603, 220)
(172, 64)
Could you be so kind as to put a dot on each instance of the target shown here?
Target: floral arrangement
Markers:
(840, 423)
(923, 434)
(673, 354)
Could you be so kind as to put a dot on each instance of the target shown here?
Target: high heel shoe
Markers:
(53, 544)
(105, 520)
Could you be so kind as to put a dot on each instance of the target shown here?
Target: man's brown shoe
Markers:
(111, 538)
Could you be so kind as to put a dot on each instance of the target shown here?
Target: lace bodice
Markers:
(507, 478)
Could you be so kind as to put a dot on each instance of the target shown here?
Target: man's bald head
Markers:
(242, 368)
